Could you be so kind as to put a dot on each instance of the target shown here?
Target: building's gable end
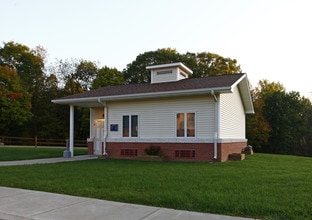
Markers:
(232, 115)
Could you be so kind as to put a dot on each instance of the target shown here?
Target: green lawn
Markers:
(10, 153)
(262, 186)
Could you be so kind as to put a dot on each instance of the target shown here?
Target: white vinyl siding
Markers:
(182, 75)
(157, 117)
(232, 116)
(167, 75)
(164, 75)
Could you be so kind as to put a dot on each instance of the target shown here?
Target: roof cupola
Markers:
(169, 72)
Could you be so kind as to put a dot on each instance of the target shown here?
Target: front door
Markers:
(99, 131)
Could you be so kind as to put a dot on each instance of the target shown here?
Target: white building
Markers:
(201, 119)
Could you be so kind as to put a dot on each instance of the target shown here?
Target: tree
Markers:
(308, 112)
(108, 77)
(210, 64)
(258, 128)
(66, 72)
(52, 119)
(75, 76)
(85, 74)
(136, 71)
(26, 62)
(202, 64)
(15, 101)
(29, 66)
(285, 113)
(282, 121)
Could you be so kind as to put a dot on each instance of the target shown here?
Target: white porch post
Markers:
(71, 130)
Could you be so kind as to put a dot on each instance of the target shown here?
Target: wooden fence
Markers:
(35, 141)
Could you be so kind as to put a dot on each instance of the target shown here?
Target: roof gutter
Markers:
(143, 95)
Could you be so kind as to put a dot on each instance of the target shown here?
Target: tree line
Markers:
(282, 122)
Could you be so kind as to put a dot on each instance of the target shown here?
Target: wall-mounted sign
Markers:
(114, 127)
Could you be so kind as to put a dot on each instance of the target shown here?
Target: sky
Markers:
(270, 39)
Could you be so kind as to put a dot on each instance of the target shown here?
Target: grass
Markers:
(28, 153)
(262, 186)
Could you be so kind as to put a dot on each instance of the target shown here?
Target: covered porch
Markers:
(98, 126)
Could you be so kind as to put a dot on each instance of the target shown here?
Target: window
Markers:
(183, 74)
(125, 126)
(164, 72)
(134, 125)
(185, 124)
(180, 125)
(190, 125)
(130, 126)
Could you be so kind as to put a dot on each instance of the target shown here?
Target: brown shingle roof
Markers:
(210, 82)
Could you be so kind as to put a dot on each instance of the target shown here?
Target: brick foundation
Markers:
(175, 151)
(225, 149)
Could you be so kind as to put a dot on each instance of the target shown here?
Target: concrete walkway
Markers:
(47, 160)
(20, 204)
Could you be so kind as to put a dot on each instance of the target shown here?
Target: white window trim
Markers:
(130, 125)
(185, 124)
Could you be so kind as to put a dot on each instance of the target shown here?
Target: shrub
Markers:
(152, 150)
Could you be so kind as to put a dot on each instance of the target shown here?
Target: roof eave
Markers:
(250, 112)
(83, 102)
(245, 93)
(94, 100)
(178, 64)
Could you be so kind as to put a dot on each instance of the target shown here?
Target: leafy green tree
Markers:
(285, 113)
(26, 62)
(258, 128)
(307, 149)
(85, 74)
(108, 77)
(29, 66)
(282, 121)
(202, 64)
(136, 71)
(75, 77)
(65, 70)
(52, 119)
(15, 101)
(210, 64)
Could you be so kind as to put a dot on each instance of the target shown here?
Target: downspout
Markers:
(90, 124)
(71, 129)
(105, 127)
(215, 139)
